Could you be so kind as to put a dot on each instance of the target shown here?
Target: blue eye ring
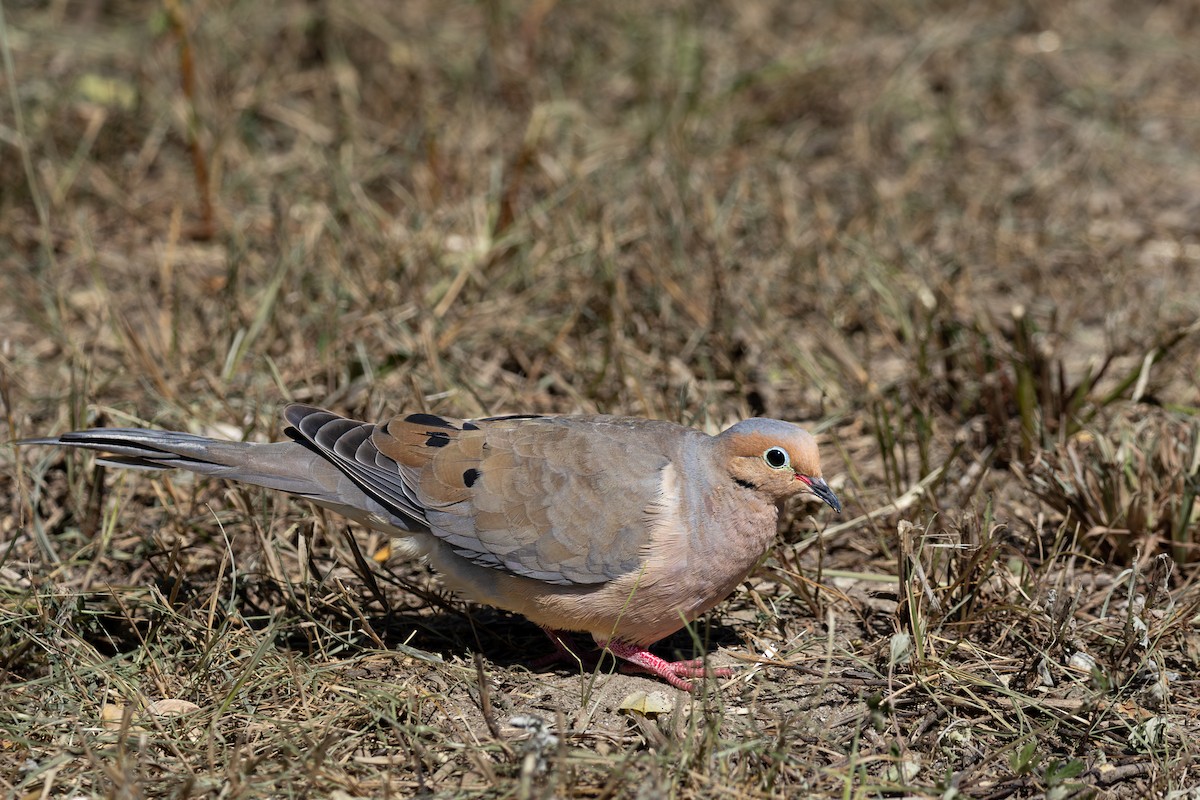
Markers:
(777, 458)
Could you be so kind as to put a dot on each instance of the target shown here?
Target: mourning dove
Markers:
(621, 527)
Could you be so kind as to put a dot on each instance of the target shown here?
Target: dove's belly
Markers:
(685, 576)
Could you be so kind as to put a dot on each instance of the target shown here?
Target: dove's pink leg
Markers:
(675, 673)
(562, 652)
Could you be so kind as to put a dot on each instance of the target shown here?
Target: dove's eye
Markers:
(777, 458)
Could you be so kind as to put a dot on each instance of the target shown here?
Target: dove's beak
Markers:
(821, 489)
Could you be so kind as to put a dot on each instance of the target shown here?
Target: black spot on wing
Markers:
(429, 419)
(437, 439)
(512, 417)
(470, 476)
(470, 426)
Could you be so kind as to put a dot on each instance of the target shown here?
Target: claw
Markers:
(675, 673)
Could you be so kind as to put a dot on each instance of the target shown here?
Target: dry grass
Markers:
(959, 241)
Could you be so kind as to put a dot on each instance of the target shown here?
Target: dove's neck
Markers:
(728, 526)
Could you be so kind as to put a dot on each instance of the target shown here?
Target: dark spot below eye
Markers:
(437, 439)
(429, 419)
(470, 476)
(744, 484)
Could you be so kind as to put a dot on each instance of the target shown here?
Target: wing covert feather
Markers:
(531, 496)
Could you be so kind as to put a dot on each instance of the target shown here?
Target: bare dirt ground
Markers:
(960, 242)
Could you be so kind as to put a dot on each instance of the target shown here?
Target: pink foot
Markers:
(675, 673)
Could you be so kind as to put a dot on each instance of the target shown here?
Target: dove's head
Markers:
(776, 458)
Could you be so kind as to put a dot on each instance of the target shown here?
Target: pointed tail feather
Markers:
(292, 467)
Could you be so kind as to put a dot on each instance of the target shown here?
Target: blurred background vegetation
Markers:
(958, 241)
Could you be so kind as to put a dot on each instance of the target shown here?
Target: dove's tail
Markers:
(293, 467)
